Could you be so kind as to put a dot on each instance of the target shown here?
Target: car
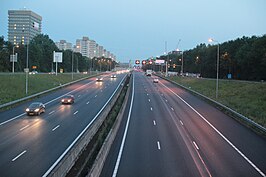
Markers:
(155, 80)
(99, 79)
(68, 99)
(33, 72)
(113, 76)
(35, 108)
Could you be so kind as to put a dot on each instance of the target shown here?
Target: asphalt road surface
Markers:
(30, 145)
(168, 132)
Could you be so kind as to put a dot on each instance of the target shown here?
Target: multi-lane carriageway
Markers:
(165, 131)
(32, 145)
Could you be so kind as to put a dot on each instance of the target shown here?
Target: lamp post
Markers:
(27, 63)
(182, 61)
(72, 64)
(78, 60)
(13, 58)
(217, 70)
(182, 64)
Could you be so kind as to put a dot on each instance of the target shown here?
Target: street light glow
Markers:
(210, 40)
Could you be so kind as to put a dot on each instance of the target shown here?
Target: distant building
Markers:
(23, 25)
(92, 49)
(100, 51)
(64, 45)
(82, 46)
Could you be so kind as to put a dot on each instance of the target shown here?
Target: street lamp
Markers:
(78, 60)
(27, 62)
(217, 74)
(182, 61)
(72, 67)
(13, 58)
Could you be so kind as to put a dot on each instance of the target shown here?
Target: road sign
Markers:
(26, 70)
(58, 57)
(159, 61)
(14, 58)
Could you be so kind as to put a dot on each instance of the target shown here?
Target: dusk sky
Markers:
(138, 29)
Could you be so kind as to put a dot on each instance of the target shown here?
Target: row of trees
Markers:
(40, 51)
(243, 58)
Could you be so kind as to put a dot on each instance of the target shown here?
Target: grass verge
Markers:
(247, 98)
(13, 85)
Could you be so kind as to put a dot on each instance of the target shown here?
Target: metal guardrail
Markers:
(43, 92)
(246, 119)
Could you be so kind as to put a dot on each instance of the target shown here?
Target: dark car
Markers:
(35, 108)
(113, 76)
(68, 99)
(99, 79)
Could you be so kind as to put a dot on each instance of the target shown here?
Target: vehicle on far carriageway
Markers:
(155, 80)
(148, 72)
(113, 76)
(68, 99)
(99, 79)
(35, 108)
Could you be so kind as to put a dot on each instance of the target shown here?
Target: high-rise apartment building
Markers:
(91, 49)
(23, 25)
(64, 45)
(82, 46)
(100, 51)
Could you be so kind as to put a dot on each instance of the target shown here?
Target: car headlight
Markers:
(37, 110)
(62, 100)
(68, 100)
(27, 110)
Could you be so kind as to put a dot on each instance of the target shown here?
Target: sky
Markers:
(139, 29)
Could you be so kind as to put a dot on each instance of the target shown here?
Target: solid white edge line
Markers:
(12, 119)
(83, 131)
(125, 133)
(158, 145)
(217, 131)
(18, 156)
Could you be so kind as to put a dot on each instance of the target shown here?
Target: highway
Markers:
(167, 131)
(30, 145)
